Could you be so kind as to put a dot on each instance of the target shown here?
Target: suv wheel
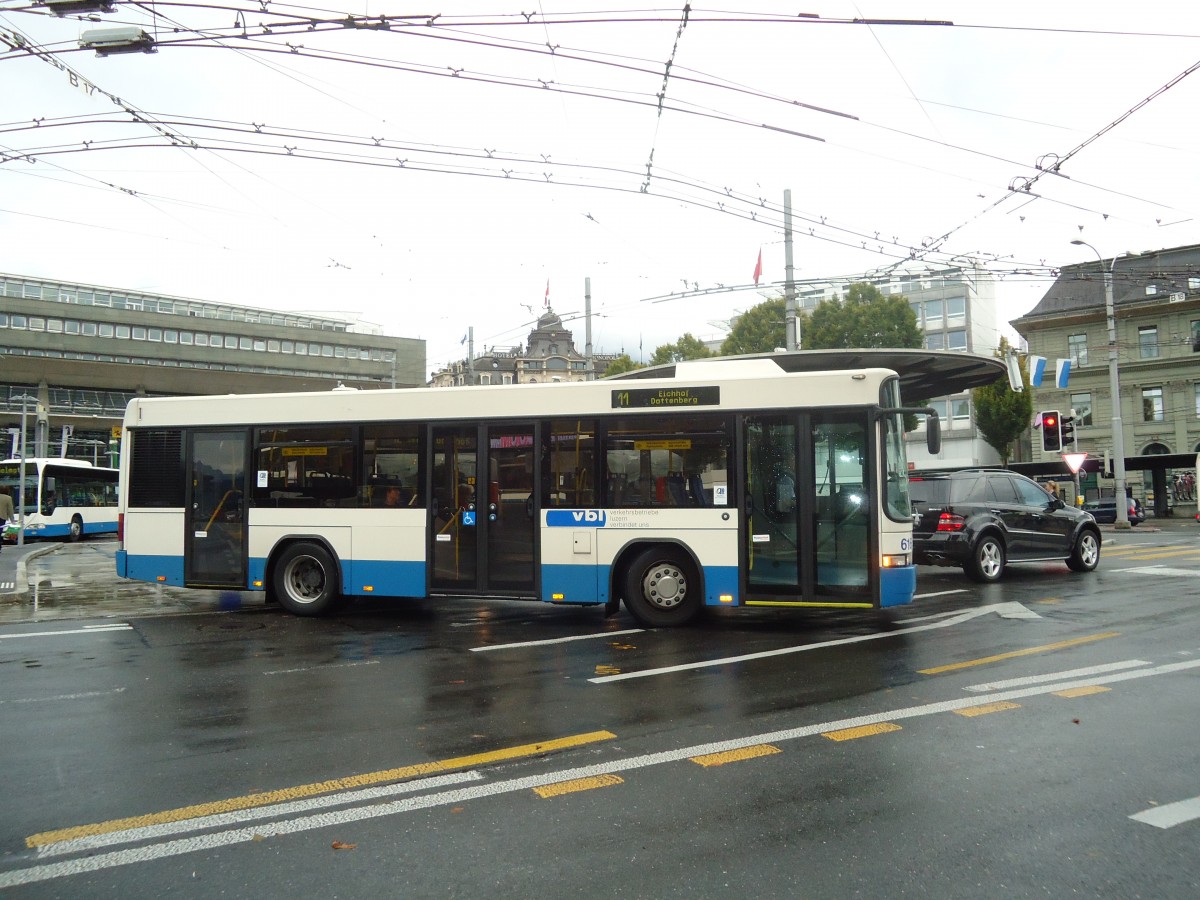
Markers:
(987, 559)
(1085, 555)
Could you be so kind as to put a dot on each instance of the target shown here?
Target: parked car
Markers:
(985, 519)
(1105, 510)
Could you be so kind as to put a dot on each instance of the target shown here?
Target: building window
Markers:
(123, 332)
(960, 409)
(933, 314)
(170, 336)
(1077, 349)
(231, 342)
(956, 311)
(1082, 404)
(1152, 404)
(956, 340)
(1195, 336)
(1148, 341)
(916, 308)
(935, 341)
(1196, 388)
(155, 334)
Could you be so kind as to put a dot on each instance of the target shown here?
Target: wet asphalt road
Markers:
(986, 742)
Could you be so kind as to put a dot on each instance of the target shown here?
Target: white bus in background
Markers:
(63, 498)
(751, 481)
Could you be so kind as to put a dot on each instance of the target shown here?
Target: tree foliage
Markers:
(687, 347)
(1002, 414)
(759, 329)
(623, 363)
(863, 318)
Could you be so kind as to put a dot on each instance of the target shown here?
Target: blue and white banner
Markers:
(1062, 373)
(1037, 369)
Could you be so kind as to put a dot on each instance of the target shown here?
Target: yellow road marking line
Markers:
(850, 734)
(1082, 691)
(728, 756)
(983, 710)
(937, 670)
(577, 784)
(266, 798)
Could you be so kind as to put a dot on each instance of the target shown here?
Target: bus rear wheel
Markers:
(305, 580)
(662, 589)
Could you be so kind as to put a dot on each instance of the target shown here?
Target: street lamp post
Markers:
(1120, 501)
(25, 399)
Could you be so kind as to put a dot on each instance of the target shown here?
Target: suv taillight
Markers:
(950, 522)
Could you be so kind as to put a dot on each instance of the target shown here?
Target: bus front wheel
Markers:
(75, 529)
(662, 589)
(305, 581)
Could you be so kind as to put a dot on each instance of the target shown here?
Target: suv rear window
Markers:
(936, 492)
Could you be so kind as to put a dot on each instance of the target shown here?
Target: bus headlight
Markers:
(895, 560)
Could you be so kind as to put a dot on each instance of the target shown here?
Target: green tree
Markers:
(1002, 414)
(759, 329)
(863, 318)
(620, 365)
(687, 347)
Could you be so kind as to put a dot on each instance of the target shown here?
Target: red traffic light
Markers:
(1049, 421)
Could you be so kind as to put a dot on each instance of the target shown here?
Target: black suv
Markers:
(983, 519)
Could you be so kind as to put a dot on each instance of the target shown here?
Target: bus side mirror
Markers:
(933, 433)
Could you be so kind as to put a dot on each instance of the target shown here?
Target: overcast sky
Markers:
(435, 176)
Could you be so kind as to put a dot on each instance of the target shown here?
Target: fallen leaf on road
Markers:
(338, 845)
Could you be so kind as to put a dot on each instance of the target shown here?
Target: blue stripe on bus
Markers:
(387, 578)
(574, 584)
(589, 584)
(151, 568)
(897, 586)
(62, 531)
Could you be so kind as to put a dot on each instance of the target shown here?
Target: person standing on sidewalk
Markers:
(6, 511)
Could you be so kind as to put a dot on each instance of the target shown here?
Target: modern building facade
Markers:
(71, 356)
(956, 310)
(1156, 304)
(550, 355)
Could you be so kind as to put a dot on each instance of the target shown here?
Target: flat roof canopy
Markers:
(923, 373)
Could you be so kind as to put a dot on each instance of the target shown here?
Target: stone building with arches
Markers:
(1156, 304)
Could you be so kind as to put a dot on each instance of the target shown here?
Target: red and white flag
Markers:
(547, 304)
(758, 267)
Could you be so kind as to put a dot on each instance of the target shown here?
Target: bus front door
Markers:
(482, 512)
(215, 546)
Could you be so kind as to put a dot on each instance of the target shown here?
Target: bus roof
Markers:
(744, 383)
(923, 373)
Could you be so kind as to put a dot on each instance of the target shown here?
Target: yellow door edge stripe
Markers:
(937, 670)
(814, 603)
(266, 798)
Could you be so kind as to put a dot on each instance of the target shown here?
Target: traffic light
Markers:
(1051, 431)
(1066, 430)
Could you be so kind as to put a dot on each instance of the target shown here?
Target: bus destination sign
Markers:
(649, 398)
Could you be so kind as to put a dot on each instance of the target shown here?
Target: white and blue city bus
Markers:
(773, 480)
(63, 498)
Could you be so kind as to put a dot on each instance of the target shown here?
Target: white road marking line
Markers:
(50, 871)
(1055, 676)
(1170, 814)
(1007, 610)
(562, 640)
(92, 630)
(939, 594)
(87, 695)
(1162, 570)
(323, 667)
(165, 829)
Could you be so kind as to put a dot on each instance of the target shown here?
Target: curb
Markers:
(22, 585)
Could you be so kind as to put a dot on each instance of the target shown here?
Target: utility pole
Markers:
(792, 332)
(587, 328)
